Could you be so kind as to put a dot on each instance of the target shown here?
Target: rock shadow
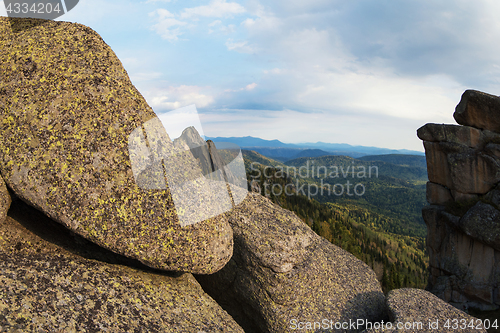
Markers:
(53, 232)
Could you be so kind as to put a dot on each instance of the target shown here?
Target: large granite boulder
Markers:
(80, 143)
(282, 273)
(479, 110)
(416, 310)
(50, 281)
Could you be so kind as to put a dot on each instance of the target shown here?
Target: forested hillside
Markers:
(398, 159)
(382, 227)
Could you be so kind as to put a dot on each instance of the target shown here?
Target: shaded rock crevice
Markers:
(53, 280)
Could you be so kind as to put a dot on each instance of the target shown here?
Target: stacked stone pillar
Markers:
(463, 218)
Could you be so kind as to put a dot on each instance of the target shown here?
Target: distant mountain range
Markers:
(287, 151)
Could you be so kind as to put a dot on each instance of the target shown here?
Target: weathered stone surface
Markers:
(67, 110)
(479, 110)
(418, 309)
(493, 197)
(463, 237)
(281, 270)
(461, 168)
(47, 286)
(473, 172)
(438, 168)
(437, 194)
(463, 135)
(463, 269)
(482, 222)
(493, 149)
(5, 200)
(460, 197)
(436, 232)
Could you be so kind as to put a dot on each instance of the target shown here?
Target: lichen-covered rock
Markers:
(46, 286)
(479, 110)
(282, 271)
(5, 200)
(416, 310)
(67, 112)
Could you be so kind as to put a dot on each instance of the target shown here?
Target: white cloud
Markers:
(214, 23)
(172, 98)
(221, 28)
(251, 86)
(216, 8)
(163, 13)
(267, 23)
(325, 74)
(170, 26)
(240, 46)
(167, 27)
(248, 87)
(231, 28)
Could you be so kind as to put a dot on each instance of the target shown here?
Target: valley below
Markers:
(370, 206)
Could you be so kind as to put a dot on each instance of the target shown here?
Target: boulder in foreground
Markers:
(47, 286)
(282, 273)
(67, 113)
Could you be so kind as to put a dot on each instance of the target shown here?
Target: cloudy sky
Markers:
(363, 72)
